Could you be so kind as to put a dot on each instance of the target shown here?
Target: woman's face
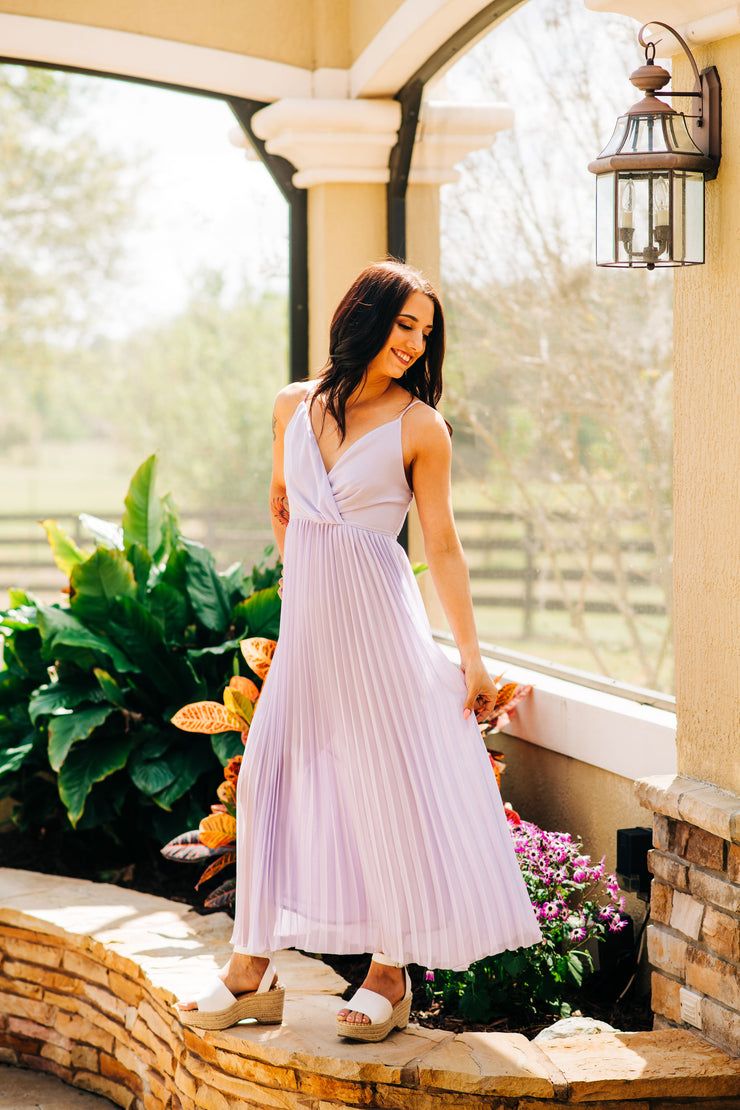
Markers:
(408, 337)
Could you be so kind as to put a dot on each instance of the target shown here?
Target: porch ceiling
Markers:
(288, 48)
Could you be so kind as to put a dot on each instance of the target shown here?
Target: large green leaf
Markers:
(96, 582)
(18, 618)
(170, 607)
(233, 580)
(54, 696)
(12, 758)
(151, 775)
(141, 563)
(170, 526)
(140, 635)
(226, 745)
(63, 635)
(142, 520)
(18, 598)
(87, 764)
(104, 532)
(187, 764)
(175, 572)
(205, 588)
(109, 688)
(67, 555)
(67, 728)
(217, 649)
(260, 613)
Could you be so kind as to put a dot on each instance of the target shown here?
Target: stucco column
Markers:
(341, 150)
(707, 463)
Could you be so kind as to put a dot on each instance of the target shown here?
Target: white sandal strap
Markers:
(372, 1005)
(381, 958)
(217, 997)
(267, 978)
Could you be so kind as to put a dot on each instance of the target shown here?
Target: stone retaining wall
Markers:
(694, 941)
(88, 974)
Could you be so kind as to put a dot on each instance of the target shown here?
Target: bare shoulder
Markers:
(289, 398)
(427, 431)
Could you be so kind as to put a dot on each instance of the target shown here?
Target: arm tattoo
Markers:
(279, 509)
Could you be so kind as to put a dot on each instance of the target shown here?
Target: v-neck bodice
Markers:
(366, 487)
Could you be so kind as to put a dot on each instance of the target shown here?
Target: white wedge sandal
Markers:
(218, 1008)
(383, 1016)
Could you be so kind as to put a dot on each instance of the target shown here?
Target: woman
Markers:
(368, 814)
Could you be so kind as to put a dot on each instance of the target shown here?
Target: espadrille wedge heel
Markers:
(218, 1008)
(383, 1016)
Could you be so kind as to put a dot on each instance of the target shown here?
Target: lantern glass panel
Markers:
(605, 221)
(615, 143)
(688, 216)
(634, 201)
(654, 133)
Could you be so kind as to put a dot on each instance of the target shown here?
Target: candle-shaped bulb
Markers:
(661, 200)
(626, 203)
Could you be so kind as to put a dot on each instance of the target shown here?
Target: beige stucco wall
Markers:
(707, 464)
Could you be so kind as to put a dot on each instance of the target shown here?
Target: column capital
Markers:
(332, 141)
(448, 132)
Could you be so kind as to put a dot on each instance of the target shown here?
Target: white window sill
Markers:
(603, 729)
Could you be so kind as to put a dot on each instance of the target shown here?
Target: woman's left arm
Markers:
(430, 471)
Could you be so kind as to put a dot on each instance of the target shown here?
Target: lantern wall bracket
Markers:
(707, 123)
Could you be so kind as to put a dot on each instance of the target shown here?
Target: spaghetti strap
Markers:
(416, 401)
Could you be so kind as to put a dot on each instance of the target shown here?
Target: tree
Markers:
(560, 374)
(199, 389)
(64, 201)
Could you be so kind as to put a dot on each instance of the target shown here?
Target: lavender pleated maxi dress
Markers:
(368, 816)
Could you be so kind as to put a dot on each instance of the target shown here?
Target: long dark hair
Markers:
(360, 328)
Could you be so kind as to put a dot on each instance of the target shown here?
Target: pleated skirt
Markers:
(368, 815)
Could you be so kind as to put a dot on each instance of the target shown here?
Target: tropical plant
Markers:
(574, 900)
(88, 688)
(215, 838)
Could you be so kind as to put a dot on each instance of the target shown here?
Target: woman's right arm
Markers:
(285, 405)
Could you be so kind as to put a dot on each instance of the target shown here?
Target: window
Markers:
(558, 378)
(143, 295)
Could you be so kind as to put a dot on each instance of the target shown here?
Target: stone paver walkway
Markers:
(31, 1090)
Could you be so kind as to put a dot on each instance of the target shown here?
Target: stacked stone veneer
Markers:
(694, 938)
(92, 1005)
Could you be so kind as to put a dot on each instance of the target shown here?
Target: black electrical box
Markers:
(633, 846)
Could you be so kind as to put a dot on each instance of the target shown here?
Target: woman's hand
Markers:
(482, 691)
(280, 588)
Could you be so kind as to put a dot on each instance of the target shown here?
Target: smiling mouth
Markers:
(404, 358)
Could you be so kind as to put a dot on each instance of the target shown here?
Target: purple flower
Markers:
(429, 976)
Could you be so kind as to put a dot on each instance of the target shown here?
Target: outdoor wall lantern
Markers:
(650, 175)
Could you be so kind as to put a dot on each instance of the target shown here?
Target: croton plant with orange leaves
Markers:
(214, 841)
